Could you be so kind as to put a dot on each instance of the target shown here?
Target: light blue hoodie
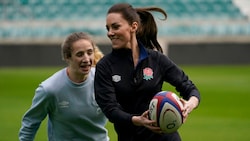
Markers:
(71, 107)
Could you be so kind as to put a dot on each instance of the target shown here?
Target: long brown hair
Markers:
(147, 31)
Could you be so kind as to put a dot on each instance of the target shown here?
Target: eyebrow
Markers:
(116, 23)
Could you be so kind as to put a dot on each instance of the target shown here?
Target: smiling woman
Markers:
(67, 97)
(127, 78)
(80, 61)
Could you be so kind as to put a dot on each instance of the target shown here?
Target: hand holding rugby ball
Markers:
(166, 109)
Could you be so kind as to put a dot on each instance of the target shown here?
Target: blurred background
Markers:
(209, 39)
(196, 31)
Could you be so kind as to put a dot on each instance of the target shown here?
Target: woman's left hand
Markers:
(189, 106)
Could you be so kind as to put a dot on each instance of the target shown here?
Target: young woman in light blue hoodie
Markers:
(67, 97)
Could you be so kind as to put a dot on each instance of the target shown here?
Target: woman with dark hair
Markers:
(127, 78)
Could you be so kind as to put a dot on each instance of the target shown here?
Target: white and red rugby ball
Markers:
(165, 109)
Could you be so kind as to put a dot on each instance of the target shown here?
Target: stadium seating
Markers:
(55, 19)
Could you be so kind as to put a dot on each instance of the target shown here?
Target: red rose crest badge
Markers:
(147, 73)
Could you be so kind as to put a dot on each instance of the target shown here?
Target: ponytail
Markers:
(147, 32)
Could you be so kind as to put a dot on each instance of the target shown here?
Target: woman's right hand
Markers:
(143, 120)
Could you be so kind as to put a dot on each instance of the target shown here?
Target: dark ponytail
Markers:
(147, 32)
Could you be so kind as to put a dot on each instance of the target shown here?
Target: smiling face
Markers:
(81, 59)
(120, 32)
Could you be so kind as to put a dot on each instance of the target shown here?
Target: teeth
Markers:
(113, 38)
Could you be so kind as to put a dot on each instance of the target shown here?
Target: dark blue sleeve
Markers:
(106, 97)
(175, 76)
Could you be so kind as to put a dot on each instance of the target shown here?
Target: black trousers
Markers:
(135, 133)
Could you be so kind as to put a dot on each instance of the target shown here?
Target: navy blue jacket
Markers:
(123, 90)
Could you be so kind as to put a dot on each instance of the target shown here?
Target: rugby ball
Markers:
(165, 109)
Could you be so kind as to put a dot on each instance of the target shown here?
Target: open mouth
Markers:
(113, 38)
(85, 67)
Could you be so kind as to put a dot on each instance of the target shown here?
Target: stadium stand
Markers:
(195, 32)
(30, 21)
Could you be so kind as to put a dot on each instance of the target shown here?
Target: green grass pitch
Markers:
(223, 114)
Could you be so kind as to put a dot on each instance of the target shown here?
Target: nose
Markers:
(110, 33)
(85, 58)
